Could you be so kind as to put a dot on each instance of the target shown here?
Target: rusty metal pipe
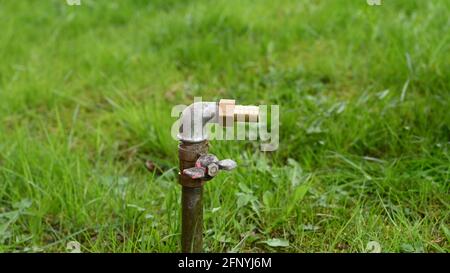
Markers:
(191, 197)
(192, 220)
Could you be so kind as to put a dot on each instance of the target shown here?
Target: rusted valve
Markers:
(208, 166)
(198, 166)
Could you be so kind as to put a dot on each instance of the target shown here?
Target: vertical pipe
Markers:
(191, 198)
(192, 220)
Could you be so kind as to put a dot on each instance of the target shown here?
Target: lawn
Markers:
(86, 94)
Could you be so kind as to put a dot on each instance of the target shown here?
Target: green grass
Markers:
(85, 99)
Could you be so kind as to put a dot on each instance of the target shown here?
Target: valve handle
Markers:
(194, 172)
(208, 166)
(227, 164)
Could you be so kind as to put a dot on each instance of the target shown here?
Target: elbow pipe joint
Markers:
(194, 119)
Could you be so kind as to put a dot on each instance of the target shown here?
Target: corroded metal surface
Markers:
(188, 154)
(191, 198)
(207, 166)
(227, 164)
(195, 173)
(196, 167)
(192, 220)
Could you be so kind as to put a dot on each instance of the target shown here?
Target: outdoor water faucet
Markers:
(198, 166)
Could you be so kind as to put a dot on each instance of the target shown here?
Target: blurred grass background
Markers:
(86, 94)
